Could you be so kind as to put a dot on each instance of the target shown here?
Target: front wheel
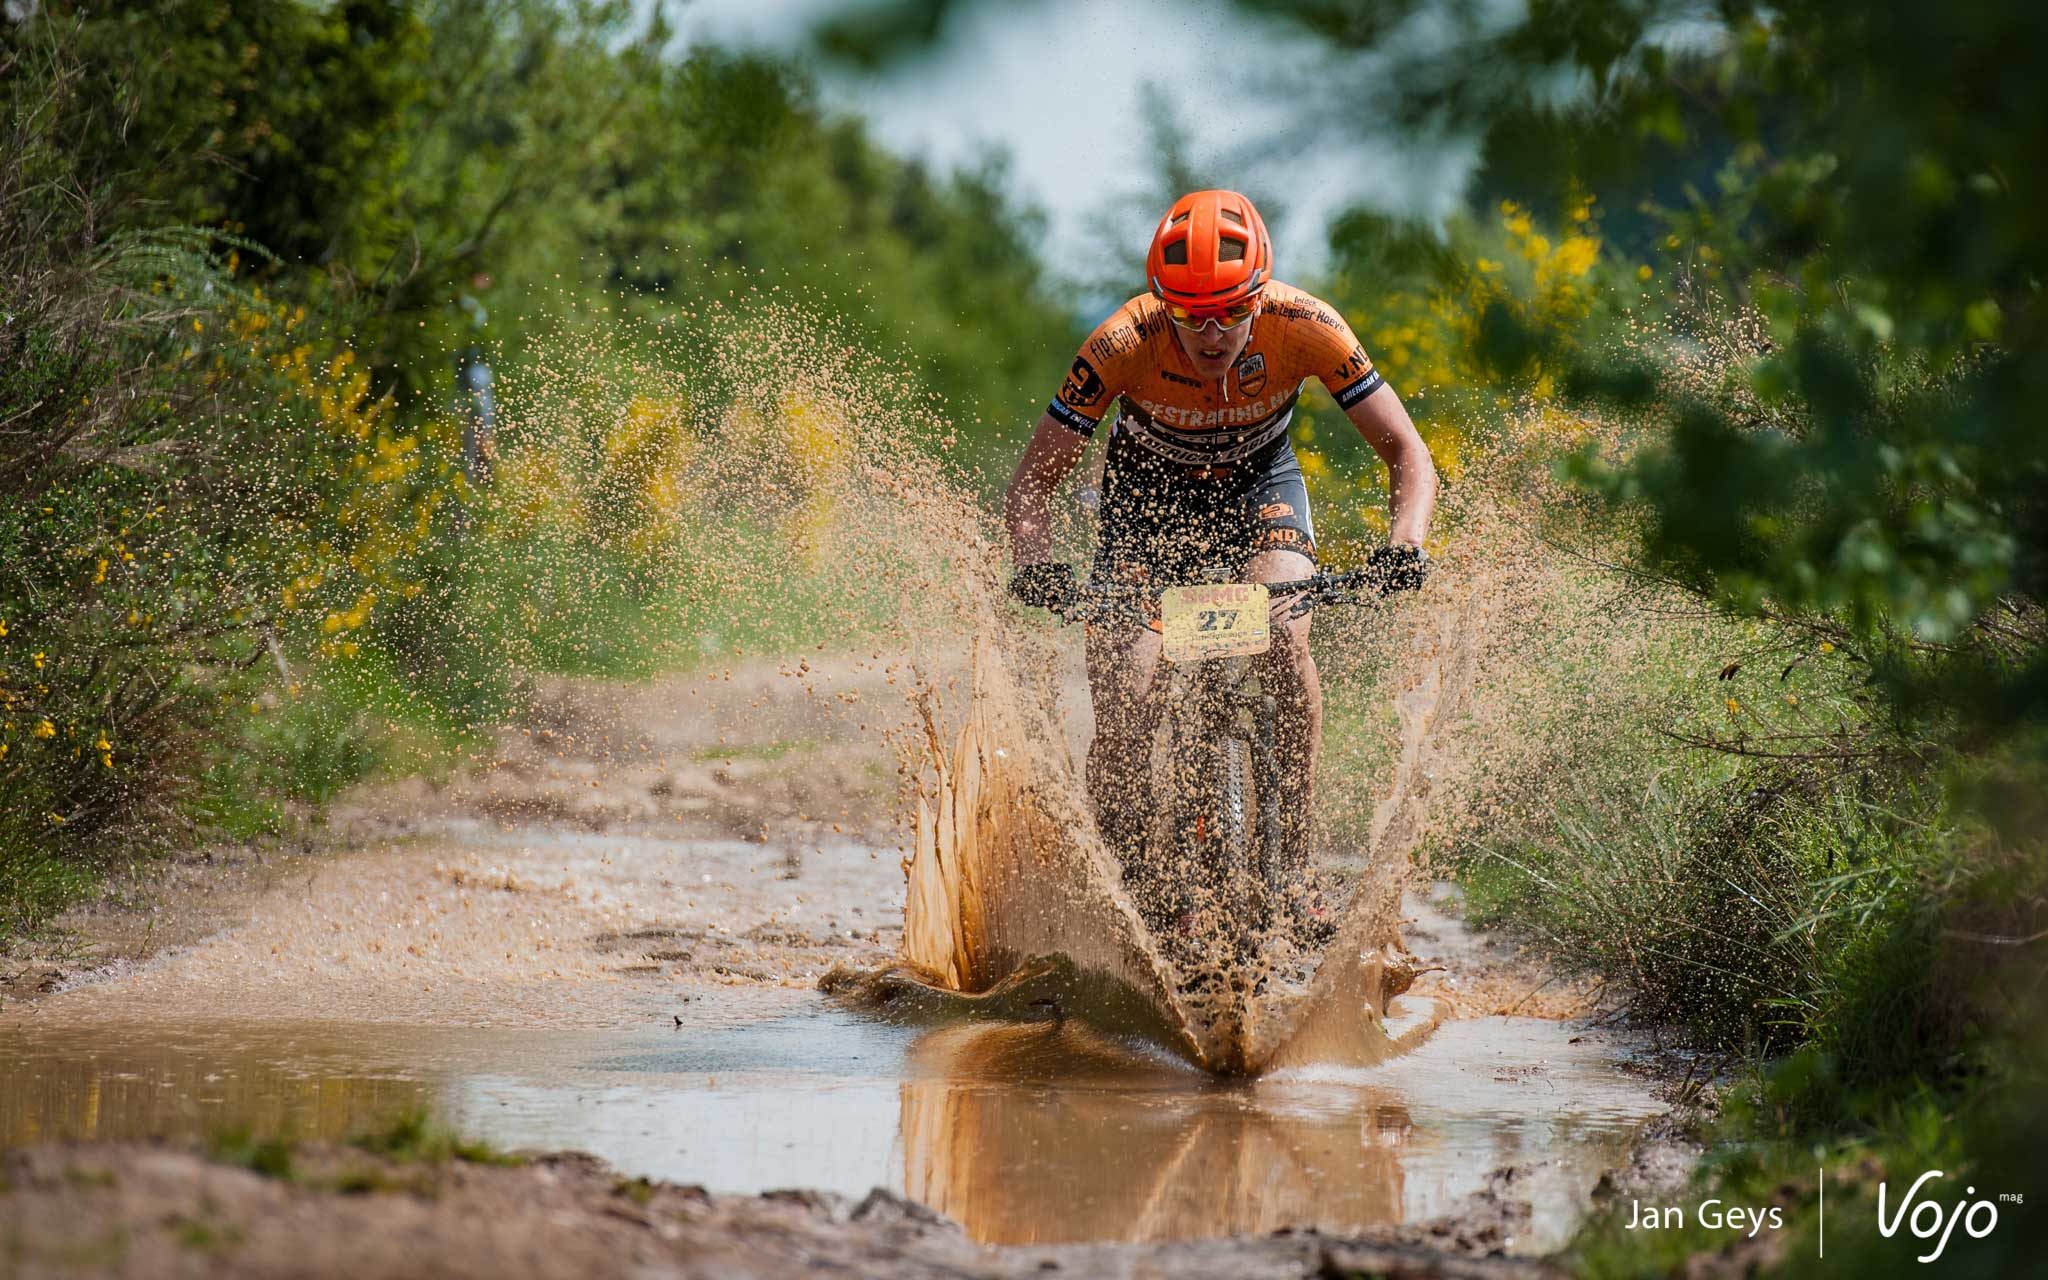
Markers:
(1215, 826)
(1236, 804)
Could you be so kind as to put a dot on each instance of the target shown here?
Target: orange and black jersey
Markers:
(1183, 418)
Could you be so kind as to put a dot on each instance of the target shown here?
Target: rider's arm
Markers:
(1337, 358)
(1411, 475)
(1093, 381)
(1054, 451)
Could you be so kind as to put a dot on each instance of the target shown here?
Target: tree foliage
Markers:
(1836, 403)
(240, 241)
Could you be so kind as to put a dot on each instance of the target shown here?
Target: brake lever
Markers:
(1306, 603)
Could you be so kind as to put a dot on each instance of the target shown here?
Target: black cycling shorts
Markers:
(1165, 523)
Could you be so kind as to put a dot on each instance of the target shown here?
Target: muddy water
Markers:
(1023, 1132)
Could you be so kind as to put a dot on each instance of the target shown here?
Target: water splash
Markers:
(1008, 870)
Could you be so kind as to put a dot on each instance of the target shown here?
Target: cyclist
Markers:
(1198, 469)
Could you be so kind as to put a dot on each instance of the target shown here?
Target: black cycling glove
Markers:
(1044, 586)
(1399, 567)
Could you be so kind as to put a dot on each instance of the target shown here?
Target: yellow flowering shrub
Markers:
(1428, 342)
(369, 480)
(650, 478)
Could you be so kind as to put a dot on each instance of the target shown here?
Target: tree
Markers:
(1855, 238)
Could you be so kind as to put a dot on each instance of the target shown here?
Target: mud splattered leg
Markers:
(1122, 666)
(1289, 674)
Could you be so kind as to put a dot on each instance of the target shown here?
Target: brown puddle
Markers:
(1024, 1132)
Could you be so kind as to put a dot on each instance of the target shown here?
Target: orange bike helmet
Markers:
(1211, 250)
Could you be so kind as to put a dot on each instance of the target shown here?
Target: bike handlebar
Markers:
(1106, 603)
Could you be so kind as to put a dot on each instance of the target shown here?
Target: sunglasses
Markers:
(1196, 319)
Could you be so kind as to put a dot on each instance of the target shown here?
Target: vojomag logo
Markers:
(1927, 1220)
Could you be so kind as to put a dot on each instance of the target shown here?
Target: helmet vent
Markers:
(1209, 250)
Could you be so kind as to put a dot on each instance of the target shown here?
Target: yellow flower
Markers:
(103, 744)
(107, 759)
(1733, 706)
(4, 749)
(101, 575)
(1643, 272)
(3, 628)
(1827, 646)
(44, 729)
(39, 661)
(56, 819)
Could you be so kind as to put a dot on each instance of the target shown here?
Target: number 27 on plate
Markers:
(1226, 620)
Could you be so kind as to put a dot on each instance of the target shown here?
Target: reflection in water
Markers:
(79, 1085)
(1021, 1131)
(1037, 1135)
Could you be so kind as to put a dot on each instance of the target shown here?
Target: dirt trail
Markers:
(624, 852)
(735, 830)
(127, 1211)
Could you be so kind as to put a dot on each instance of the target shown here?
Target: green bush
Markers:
(1741, 908)
(239, 566)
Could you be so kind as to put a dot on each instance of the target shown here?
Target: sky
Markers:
(1058, 85)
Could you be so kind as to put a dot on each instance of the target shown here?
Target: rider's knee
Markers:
(1289, 657)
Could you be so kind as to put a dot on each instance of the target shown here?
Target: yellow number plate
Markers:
(1227, 620)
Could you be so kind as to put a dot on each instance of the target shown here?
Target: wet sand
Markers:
(136, 1211)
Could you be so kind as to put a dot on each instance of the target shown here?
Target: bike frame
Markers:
(1224, 820)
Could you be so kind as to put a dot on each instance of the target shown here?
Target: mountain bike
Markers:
(1216, 762)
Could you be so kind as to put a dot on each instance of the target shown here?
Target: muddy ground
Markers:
(739, 830)
(123, 1210)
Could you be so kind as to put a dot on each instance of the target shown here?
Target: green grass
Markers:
(270, 1157)
(412, 1138)
(35, 886)
(432, 676)
(416, 1138)
(1742, 910)
(1813, 923)
(1817, 925)
(639, 1190)
(571, 605)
